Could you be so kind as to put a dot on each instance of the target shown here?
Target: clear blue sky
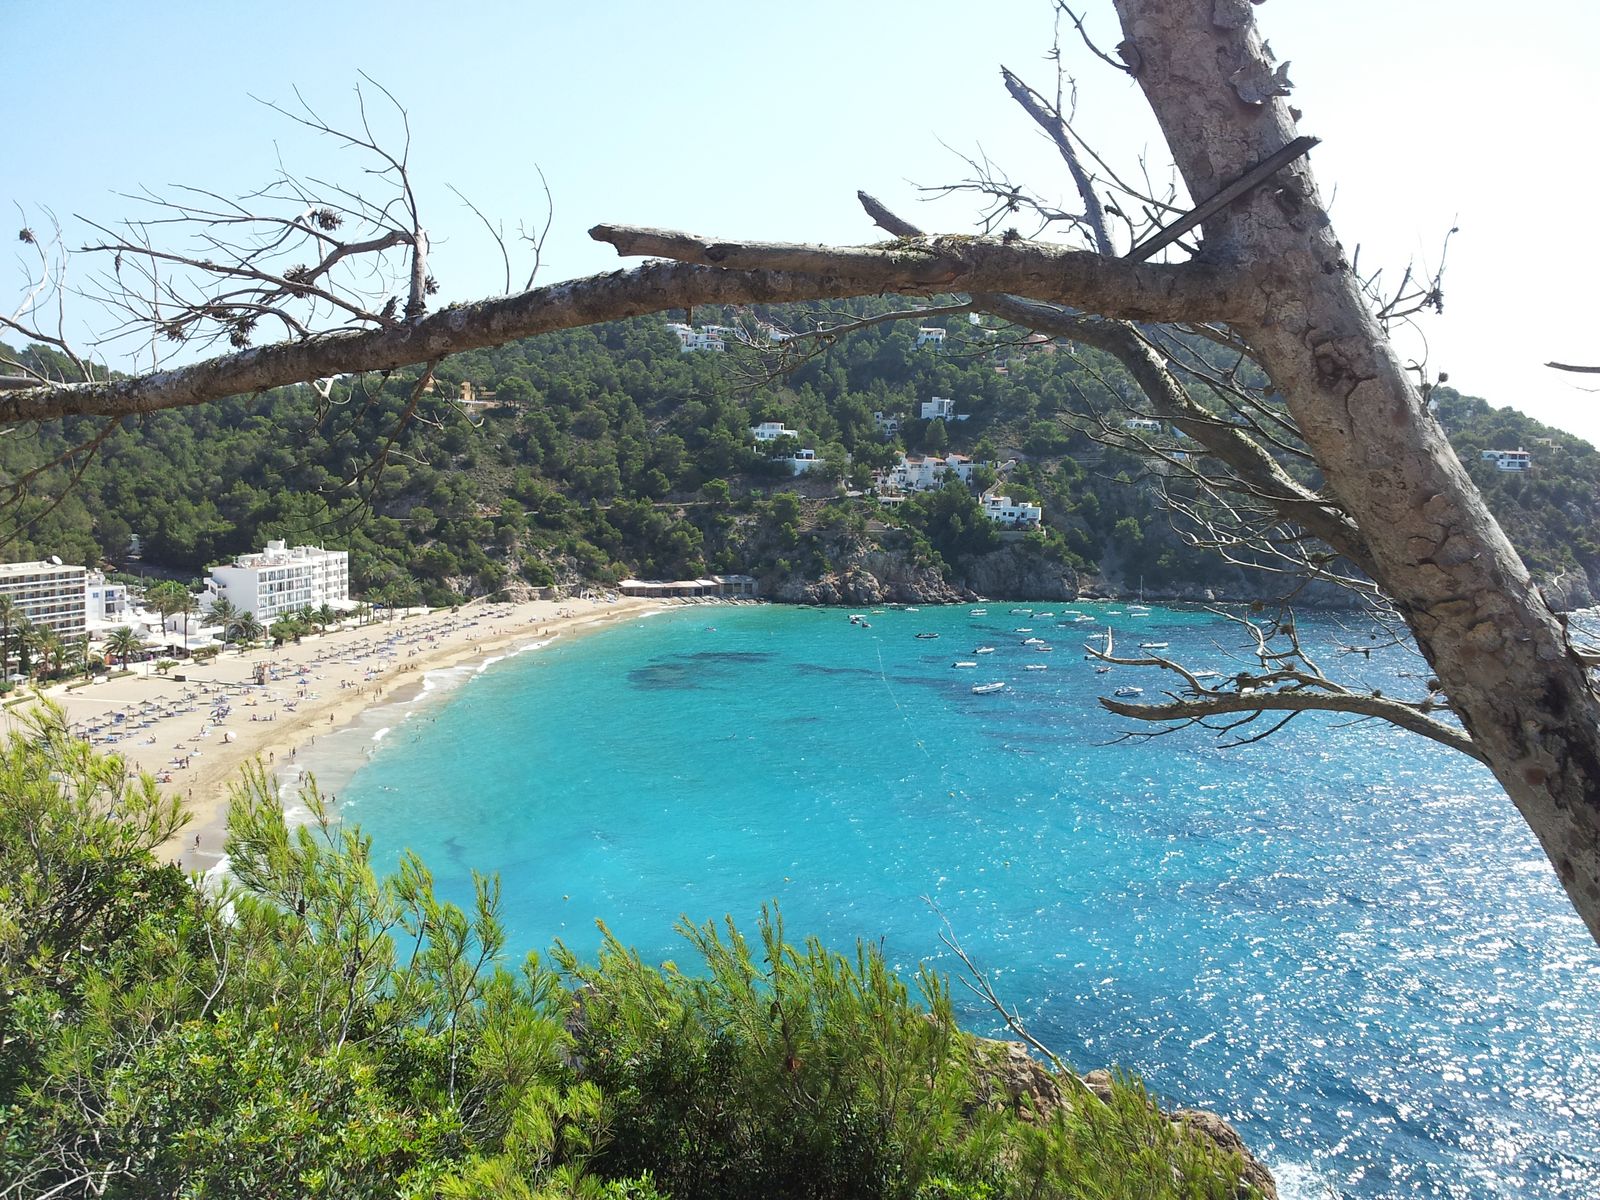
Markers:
(761, 120)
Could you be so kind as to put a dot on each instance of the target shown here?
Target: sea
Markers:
(1340, 937)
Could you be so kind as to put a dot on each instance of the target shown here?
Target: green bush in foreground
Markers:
(315, 1029)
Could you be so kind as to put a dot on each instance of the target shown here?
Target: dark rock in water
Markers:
(1023, 1084)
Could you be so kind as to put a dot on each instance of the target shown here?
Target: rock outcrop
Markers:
(1025, 1085)
(1017, 572)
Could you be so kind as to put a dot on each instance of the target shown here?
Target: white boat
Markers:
(1044, 648)
(1153, 645)
(1101, 670)
(910, 609)
(1208, 674)
(963, 664)
(926, 637)
(1035, 667)
(1033, 641)
(1082, 617)
(1042, 616)
(979, 612)
(1029, 611)
(1128, 690)
(1138, 610)
(984, 650)
(985, 689)
(1023, 629)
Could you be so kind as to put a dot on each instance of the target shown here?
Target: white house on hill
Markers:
(1003, 510)
(771, 431)
(1510, 460)
(930, 335)
(690, 338)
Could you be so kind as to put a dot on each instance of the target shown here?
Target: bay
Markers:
(1343, 939)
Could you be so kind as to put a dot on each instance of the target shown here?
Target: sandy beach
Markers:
(194, 727)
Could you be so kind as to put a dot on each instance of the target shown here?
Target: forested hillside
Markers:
(599, 453)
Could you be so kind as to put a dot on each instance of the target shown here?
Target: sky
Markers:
(762, 120)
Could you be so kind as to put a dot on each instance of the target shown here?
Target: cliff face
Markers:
(1017, 573)
(871, 576)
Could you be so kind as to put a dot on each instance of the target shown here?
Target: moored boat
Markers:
(985, 689)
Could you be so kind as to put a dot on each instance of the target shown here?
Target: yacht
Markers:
(985, 689)
(1128, 689)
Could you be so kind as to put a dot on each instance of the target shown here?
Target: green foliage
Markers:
(315, 1028)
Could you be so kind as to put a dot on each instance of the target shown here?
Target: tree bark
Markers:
(1501, 653)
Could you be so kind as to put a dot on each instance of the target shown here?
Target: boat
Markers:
(857, 618)
(1153, 645)
(927, 637)
(1138, 610)
(1044, 648)
(1208, 674)
(1035, 667)
(1023, 629)
(910, 609)
(978, 612)
(1029, 611)
(1033, 641)
(1128, 689)
(1042, 616)
(963, 664)
(984, 650)
(1083, 617)
(1101, 670)
(986, 689)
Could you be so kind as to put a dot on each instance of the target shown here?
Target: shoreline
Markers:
(194, 729)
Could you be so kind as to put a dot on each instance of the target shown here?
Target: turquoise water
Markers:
(1343, 940)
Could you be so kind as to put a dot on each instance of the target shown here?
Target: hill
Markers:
(596, 454)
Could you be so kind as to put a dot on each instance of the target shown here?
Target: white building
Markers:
(1510, 460)
(280, 580)
(888, 423)
(930, 335)
(107, 601)
(49, 594)
(1143, 424)
(914, 472)
(1003, 510)
(690, 338)
(940, 408)
(771, 431)
(800, 461)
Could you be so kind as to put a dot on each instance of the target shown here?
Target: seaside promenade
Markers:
(194, 727)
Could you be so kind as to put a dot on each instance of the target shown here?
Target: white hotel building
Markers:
(49, 594)
(280, 580)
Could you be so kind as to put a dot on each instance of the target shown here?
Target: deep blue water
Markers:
(1344, 939)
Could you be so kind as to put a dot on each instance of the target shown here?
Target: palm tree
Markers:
(223, 612)
(27, 639)
(52, 653)
(124, 643)
(248, 628)
(326, 616)
(8, 617)
(188, 605)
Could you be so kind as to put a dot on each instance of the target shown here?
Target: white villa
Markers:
(888, 423)
(690, 338)
(930, 335)
(1510, 460)
(1003, 510)
(800, 461)
(1143, 424)
(915, 472)
(941, 408)
(771, 431)
(281, 580)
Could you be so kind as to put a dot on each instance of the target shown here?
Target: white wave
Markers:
(1302, 1181)
(382, 733)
